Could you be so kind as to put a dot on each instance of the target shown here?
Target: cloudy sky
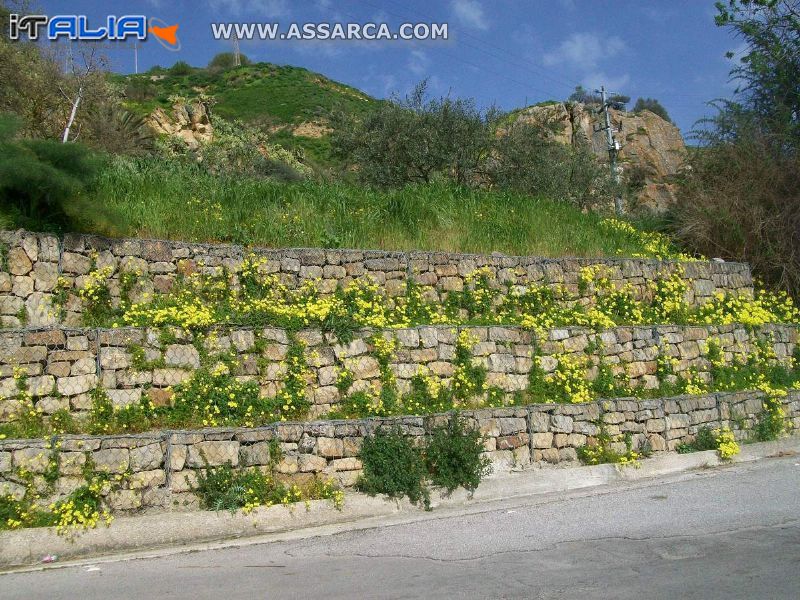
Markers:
(503, 52)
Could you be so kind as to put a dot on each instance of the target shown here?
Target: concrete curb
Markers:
(25, 548)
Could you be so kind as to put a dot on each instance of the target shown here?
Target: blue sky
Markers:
(504, 52)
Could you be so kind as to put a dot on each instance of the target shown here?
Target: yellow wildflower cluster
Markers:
(656, 245)
(468, 381)
(570, 379)
(727, 447)
(253, 296)
(598, 275)
(745, 309)
(74, 516)
(95, 286)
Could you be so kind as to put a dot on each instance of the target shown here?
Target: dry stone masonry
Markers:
(32, 264)
(64, 365)
(162, 467)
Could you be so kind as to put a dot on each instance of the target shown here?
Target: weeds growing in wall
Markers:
(249, 297)
(451, 457)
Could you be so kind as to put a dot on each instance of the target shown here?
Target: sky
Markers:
(508, 53)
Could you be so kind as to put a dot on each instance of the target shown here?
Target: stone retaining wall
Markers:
(162, 466)
(64, 365)
(32, 264)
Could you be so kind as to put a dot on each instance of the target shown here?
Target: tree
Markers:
(769, 71)
(415, 140)
(180, 68)
(741, 198)
(86, 74)
(653, 105)
(226, 60)
(582, 95)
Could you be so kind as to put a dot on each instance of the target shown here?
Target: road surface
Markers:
(726, 533)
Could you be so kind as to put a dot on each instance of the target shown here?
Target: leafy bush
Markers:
(393, 466)
(741, 201)
(454, 457)
(653, 105)
(415, 140)
(39, 177)
(226, 60)
(223, 488)
(180, 68)
(451, 458)
(526, 159)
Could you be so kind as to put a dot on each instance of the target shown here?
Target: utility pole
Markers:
(237, 57)
(613, 147)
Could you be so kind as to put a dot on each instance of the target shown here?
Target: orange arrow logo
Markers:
(167, 35)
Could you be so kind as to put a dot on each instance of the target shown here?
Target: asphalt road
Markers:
(728, 533)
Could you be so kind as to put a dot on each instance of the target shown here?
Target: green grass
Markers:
(261, 92)
(160, 200)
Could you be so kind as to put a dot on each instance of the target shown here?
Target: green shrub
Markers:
(39, 177)
(226, 60)
(604, 452)
(180, 68)
(223, 488)
(393, 466)
(454, 457)
(705, 439)
(654, 106)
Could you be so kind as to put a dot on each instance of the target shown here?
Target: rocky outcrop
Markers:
(652, 149)
(188, 121)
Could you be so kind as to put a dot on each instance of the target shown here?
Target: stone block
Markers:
(213, 453)
(184, 355)
(310, 463)
(561, 424)
(73, 386)
(330, 447)
(146, 458)
(542, 440)
(255, 454)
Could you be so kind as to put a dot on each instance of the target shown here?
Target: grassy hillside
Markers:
(277, 98)
(259, 93)
(155, 199)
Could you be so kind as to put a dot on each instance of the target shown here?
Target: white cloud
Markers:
(418, 62)
(614, 83)
(470, 13)
(584, 50)
(263, 9)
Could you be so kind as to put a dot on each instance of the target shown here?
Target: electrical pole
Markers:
(613, 147)
(237, 57)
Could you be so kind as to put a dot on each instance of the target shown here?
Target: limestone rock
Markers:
(652, 148)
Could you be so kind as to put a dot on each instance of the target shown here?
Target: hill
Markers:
(292, 103)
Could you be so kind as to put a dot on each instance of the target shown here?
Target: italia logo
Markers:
(77, 27)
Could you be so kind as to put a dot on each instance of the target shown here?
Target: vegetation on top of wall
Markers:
(198, 301)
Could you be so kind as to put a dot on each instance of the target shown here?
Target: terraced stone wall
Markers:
(63, 366)
(162, 466)
(32, 264)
